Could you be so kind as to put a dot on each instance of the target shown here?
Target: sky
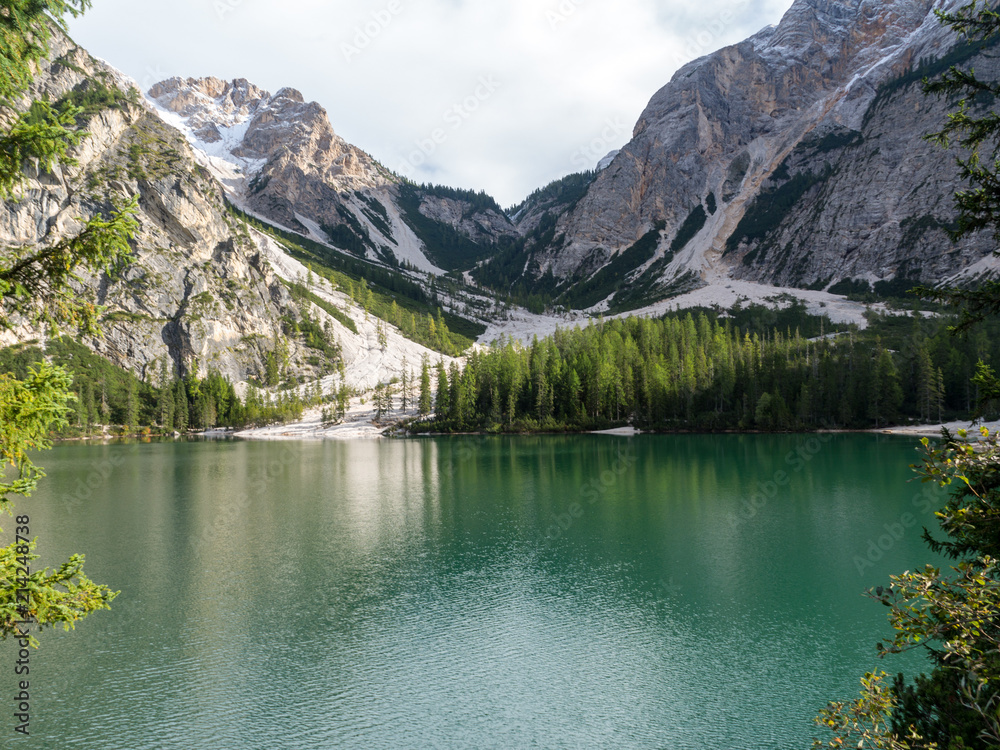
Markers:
(496, 95)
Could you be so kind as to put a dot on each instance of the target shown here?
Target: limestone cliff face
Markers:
(196, 292)
(796, 157)
(280, 131)
(481, 226)
(279, 158)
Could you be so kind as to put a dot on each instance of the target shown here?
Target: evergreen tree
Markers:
(926, 383)
(383, 338)
(132, 406)
(382, 400)
(937, 396)
(80, 412)
(271, 373)
(976, 130)
(181, 409)
(35, 285)
(404, 386)
(454, 391)
(425, 387)
(886, 394)
(104, 408)
(442, 397)
(206, 410)
(90, 406)
(165, 400)
(954, 616)
(343, 399)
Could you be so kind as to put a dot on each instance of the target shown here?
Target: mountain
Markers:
(793, 160)
(281, 160)
(204, 291)
(754, 164)
(178, 299)
(796, 158)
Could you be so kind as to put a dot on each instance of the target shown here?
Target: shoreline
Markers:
(306, 431)
(934, 430)
(359, 424)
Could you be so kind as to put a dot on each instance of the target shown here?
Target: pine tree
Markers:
(454, 390)
(207, 413)
(165, 398)
(938, 395)
(343, 401)
(181, 411)
(272, 374)
(404, 386)
(383, 338)
(442, 397)
(926, 382)
(35, 285)
(976, 130)
(390, 396)
(105, 408)
(90, 404)
(80, 412)
(132, 406)
(380, 401)
(953, 615)
(443, 336)
(425, 387)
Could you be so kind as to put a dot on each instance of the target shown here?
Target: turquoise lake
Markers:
(694, 592)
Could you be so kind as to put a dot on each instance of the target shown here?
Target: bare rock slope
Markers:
(280, 159)
(795, 158)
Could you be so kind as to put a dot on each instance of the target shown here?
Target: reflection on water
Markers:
(552, 592)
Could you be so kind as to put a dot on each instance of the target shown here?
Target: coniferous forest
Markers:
(756, 370)
(106, 395)
(752, 369)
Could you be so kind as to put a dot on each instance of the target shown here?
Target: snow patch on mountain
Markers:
(208, 118)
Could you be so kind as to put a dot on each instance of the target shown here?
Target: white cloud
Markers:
(392, 72)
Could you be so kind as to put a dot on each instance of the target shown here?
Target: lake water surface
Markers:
(682, 592)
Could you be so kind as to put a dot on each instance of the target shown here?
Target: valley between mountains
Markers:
(789, 171)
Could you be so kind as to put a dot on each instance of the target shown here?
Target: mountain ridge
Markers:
(720, 132)
(773, 142)
(202, 291)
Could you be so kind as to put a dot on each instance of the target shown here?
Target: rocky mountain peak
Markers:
(272, 152)
(280, 159)
(208, 104)
(845, 34)
(757, 162)
(293, 95)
